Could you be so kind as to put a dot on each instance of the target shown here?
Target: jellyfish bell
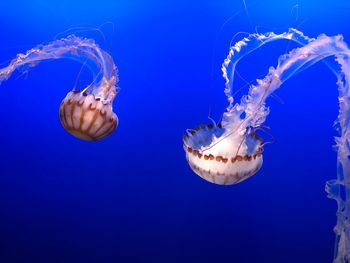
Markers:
(88, 114)
(87, 117)
(223, 157)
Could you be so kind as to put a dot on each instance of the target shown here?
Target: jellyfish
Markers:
(231, 151)
(86, 114)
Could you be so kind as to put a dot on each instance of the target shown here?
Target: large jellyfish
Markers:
(86, 114)
(231, 152)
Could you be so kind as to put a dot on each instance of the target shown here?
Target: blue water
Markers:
(132, 197)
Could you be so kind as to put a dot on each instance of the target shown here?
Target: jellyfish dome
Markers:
(220, 157)
(86, 114)
(86, 117)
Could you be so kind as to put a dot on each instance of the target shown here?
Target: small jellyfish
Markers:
(86, 114)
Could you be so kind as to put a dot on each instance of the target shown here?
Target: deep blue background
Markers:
(132, 197)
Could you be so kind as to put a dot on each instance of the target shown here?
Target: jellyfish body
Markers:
(86, 114)
(86, 117)
(240, 120)
(230, 160)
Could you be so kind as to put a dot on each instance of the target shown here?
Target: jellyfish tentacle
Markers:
(246, 46)
(72, 47)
